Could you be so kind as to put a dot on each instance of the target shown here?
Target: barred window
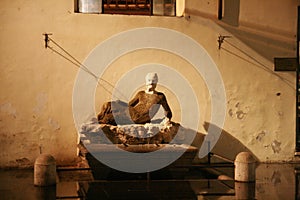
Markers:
(128, 7)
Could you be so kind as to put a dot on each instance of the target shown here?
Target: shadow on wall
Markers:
(264, 44)
(231, 12)
(267, 46)
(227, 146)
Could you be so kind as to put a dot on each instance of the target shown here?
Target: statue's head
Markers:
(151, 80)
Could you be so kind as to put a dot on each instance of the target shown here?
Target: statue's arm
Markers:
(165, 105)
(135, 100)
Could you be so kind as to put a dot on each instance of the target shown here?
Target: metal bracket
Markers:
(221, 39)
(47, 39)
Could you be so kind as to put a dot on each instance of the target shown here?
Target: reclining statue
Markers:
(140, 110)
(136, 122)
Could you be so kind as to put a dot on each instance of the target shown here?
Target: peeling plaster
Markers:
(240, 114)
(260, 136)
(41, 103)
(23, 161)
(276, 146)
(54, 124)
(280, 113)
(230, 112)
(238, 111)
(9, 109)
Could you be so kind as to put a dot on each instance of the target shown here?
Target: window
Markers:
(129, 7)
(132, 7)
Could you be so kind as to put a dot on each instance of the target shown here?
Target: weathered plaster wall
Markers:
(256, 11)
(254, 90)
(268, 27)
(37, 84)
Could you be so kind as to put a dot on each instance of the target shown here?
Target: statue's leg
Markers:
(106, 116)
(121, 113)
(115, 112)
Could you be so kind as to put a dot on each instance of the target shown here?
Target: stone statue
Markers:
(140, 110)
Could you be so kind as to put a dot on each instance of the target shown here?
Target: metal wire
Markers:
(257, 63)
(67, 56)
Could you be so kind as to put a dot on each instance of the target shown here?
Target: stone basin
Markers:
(131, 134)
(110, 142)
(142, 148)
(166, 151)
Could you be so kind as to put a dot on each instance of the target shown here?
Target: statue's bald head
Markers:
(151, 78)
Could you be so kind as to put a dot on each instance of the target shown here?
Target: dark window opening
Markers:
(127, 7)
(132, 7)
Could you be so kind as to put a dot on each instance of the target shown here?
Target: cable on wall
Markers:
(67, 56)
(256, 63)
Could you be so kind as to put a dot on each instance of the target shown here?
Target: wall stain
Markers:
(9, 109)
(240, 114)
(41, 103)
(54, 124)
(230, 112)
(280, 113)
(237, 112)
(23, 161)
(260, 136)
(276, 146)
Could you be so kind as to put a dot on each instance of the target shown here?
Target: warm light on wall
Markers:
(180, 6)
